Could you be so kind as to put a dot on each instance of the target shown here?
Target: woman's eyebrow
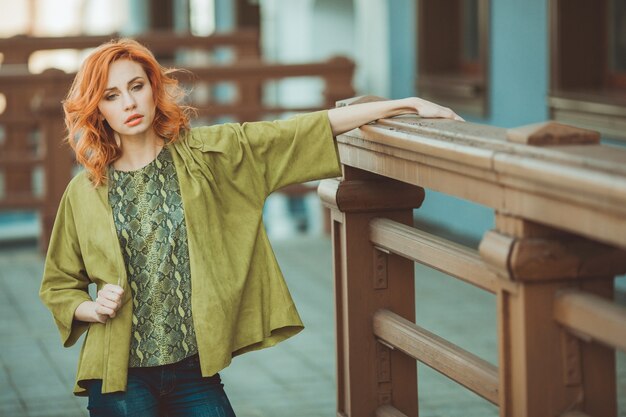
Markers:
(128, 83)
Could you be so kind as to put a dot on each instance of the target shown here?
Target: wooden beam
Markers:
(592, 316)
(452, 361)
(433, 251)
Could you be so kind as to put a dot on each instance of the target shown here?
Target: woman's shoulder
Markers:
(80, 185)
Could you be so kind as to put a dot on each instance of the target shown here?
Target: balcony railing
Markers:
(559, 199)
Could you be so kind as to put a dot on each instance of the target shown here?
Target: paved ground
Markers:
(295, 378)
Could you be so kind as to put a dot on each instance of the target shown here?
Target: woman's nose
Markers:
(129, 102)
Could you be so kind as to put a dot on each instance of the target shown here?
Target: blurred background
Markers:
(505, 63)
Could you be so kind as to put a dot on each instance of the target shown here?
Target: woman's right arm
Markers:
(64, 288)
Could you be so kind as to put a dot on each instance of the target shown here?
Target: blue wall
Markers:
(519, 69)
(402, 47)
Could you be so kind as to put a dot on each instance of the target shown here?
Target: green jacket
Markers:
(239, 300)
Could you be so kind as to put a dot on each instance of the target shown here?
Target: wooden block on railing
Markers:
(356, 196)
(552, 133)
(529, 259)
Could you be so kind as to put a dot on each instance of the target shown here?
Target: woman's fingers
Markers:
(105, 302)
(109, 300)
(113, 288)
(426, 108)
(104, 311)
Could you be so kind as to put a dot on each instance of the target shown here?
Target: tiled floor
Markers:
(295, 378)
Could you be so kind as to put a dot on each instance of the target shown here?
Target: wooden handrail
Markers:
(582, 312)
(435, 252)
(478, 163)
(18, 49)
(18, 202)
(457, 364)
(265, 71)
(560, 223)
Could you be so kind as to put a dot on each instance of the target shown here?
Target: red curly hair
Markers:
(91, 137)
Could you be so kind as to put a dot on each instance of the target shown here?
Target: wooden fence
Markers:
(560, 237)
(31, 125)
(244, 44)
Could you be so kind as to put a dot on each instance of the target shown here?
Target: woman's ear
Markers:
(118, 140)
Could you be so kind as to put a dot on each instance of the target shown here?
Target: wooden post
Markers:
(545, 370)
(18, 138)
(366, 280)
(58, 161)
(248, 14)
(339, 82)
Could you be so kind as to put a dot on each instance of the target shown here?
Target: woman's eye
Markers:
(110, 97)
(137, 87)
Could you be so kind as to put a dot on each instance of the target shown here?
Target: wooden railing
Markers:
(560, 237)
(244, 44)
(31, 125)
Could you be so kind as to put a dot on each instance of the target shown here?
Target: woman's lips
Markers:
(134, 121)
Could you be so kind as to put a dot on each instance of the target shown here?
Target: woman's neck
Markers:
(138, 151)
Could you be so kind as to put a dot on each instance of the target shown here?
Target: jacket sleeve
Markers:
(292, 151)
(64, 284)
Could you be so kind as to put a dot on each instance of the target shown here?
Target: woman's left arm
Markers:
(343, 119)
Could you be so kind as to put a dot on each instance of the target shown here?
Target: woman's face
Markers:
(127, 104)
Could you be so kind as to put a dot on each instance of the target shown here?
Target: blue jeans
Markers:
(174, 390)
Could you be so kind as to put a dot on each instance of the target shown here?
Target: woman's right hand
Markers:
(106, 305)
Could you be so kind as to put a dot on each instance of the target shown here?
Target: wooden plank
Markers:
(435, 252)
(457, 364)
(593, 316)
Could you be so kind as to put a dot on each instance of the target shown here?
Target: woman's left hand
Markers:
(343, 119)
(427, 108)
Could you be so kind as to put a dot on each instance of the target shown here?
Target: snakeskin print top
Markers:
(150, 222)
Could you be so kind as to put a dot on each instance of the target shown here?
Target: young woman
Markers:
(166, 221)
